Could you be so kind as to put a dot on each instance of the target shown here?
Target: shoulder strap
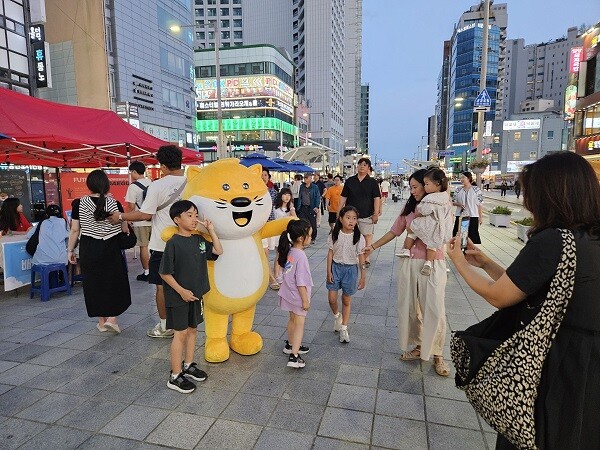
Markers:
(144, 190)
(172, 197)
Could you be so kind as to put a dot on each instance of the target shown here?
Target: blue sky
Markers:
(402, 57)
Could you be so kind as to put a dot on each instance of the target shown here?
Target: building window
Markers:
(237, 35)
(211, 2)
(224, 2)
(200, 35)
(532, 156)
(225, 34)
(224, 23)
(224, 11)
(199, 12)
(199, 2)
(237, 23)
(237, 2)
(517, 135)
(550, 134)
(516, 156)
(494, 157)
(211, 12)
(237, 11)
(534, 135)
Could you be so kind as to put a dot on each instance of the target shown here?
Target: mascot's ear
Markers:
(256, 169)
(193, 172)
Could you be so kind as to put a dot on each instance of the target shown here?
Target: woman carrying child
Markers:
(433, 219)
(345, 256)
(296, 286)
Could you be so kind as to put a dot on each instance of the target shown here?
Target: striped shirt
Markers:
(91, 227)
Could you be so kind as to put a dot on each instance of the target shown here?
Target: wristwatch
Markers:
(120, 217)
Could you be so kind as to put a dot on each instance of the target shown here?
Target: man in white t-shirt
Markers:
(161, 194)
(136, 193)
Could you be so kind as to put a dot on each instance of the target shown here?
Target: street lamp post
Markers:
(482, 82)
(221, 149)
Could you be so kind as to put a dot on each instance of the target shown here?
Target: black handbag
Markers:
(34, 240)
(500, 369)
(127, 240)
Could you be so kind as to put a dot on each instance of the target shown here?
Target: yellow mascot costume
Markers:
(238, 203)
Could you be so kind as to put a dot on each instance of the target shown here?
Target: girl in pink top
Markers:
(421, 310)
(296, 285)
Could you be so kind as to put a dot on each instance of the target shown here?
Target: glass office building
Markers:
(465, 69)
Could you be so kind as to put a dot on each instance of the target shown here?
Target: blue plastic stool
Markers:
(44, 287)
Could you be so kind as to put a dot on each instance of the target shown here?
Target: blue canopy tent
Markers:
(301, 167)
(286, 166)
(258, 158)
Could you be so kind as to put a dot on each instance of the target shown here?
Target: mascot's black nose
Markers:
(241, 202)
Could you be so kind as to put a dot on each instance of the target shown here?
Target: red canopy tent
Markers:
(43, 133)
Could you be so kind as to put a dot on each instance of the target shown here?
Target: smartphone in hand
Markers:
(464, 232)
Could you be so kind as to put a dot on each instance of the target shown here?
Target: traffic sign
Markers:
(481, 108)
(442, 154)
(483, 99)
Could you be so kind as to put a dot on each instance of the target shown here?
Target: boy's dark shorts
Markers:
(180, 318)
(153, 266)
(332, 217)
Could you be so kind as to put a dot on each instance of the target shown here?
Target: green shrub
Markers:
(527, 221)
(503, 210)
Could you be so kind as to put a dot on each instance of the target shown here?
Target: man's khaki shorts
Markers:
(366, 226)
(143, 235)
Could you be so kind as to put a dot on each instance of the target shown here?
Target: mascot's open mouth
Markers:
(242, 219)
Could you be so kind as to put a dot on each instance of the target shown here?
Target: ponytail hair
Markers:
(97, 182)
(295, 229)
(335, 233)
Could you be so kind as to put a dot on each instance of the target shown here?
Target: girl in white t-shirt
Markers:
(345, 259)
(284, 204)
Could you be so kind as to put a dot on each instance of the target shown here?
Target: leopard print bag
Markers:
(504, 389)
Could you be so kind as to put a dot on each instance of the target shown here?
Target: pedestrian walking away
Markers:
(184, 270)
(468, 200)
(103, 265)
(333, 196)
(421, 308)
(345, 261)
(135, 196)
(296, 287)
(572, 364)
(517, 188)
(362, 192)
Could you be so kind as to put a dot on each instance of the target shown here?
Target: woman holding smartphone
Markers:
(468, 199)
(421, 298)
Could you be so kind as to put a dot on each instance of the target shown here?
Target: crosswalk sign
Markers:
(483, 99)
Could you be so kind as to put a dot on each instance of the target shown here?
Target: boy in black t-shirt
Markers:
(183, 269)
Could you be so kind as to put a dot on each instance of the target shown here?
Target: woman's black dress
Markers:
(568, 405)
(105, 282)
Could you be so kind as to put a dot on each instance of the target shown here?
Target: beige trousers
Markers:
(421, 309)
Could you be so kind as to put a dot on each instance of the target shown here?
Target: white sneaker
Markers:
(337, 322)
(344, 337)
(158, 332)
(404, 253)
(426, 269)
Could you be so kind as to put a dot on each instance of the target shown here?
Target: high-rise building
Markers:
(18, 71)
(363, 142)
(460, 76)
(352, 71)
(129, 53)
(537, 71)
(316, 34)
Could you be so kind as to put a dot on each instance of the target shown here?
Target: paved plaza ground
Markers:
(65, 385)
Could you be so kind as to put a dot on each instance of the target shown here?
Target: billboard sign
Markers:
(516, 166)
(571, 89)
(245, 103)
(527, 124)
(252, 86)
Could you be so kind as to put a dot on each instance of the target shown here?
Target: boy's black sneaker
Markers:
(142, 277)
(194, 372)
(296, 362)
(287, 349)
(181, 384)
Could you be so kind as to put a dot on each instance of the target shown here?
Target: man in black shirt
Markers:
(362, 191)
